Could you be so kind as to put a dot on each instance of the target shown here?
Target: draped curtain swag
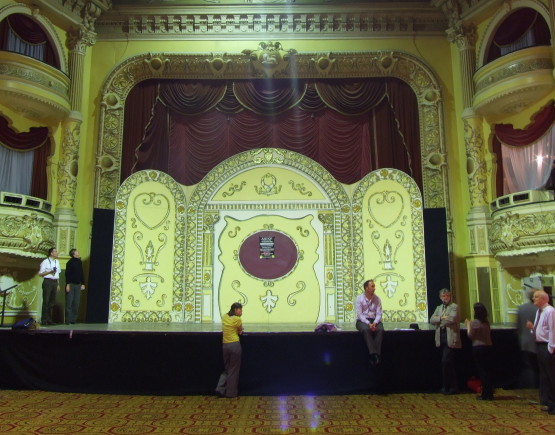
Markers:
(37, 141)
(194, 126)
(526, 154)
(269, 97)
(541, 123)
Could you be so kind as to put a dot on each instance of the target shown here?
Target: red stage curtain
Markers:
(139, 107)
(35, 139)
(186, 141)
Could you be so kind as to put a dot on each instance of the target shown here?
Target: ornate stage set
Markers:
(273, 230)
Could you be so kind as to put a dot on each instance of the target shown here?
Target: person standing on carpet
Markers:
(479, 332)
(369, 320)
(232, 327)
(448, 338)
(527, 343)
(50, 271)
(75, 284)
(543, 330)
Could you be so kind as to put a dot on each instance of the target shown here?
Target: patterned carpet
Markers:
(37, 412)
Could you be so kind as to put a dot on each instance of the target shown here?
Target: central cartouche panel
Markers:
(269, 264)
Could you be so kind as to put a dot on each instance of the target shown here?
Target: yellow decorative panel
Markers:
(275, 286)
(268, 183)
(390, 244)
(147, 270)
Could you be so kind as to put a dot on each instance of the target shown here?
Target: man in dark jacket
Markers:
(75, 284)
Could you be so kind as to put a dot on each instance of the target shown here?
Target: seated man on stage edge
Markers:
(369, 320)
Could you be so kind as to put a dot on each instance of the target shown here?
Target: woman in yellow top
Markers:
(232, 327)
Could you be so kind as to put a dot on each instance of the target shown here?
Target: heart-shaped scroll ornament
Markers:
(151, 209)
(386, 208)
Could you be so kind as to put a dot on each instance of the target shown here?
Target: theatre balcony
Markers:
(26, 226)
(33, 88)
(523, 228)
(514, 81)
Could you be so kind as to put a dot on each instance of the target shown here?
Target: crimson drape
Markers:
(269, 97)
(542, 121)
(37, 140)
(138, 110)
(376, 126)
(25, 141)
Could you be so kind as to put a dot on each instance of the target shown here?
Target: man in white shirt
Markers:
(543, 330)
(369, 320)
(50, 271)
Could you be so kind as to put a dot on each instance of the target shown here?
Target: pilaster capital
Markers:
(459, 32)
(463, 35)
(79, 39)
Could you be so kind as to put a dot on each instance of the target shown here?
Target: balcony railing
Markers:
(26, 225)
(523, 229)
(514, 81)
(33, 88)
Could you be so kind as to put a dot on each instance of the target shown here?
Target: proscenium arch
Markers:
(200, 214)
(44, 23)
(230, 66)
(499, 17)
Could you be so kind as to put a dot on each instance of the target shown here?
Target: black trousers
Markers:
(546, 364)
(449, 369)
(483, 359)
(373, 339)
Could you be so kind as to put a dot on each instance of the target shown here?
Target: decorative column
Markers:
(207, 303)
(482, 267)
(65, 218)
(327, 219)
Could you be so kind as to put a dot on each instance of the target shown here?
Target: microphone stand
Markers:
(4, 294)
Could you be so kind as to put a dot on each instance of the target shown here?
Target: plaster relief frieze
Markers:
(129, 24)
(26, 233)
(31, 75)
(475, 165)
(517, 231)
(68, 164)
